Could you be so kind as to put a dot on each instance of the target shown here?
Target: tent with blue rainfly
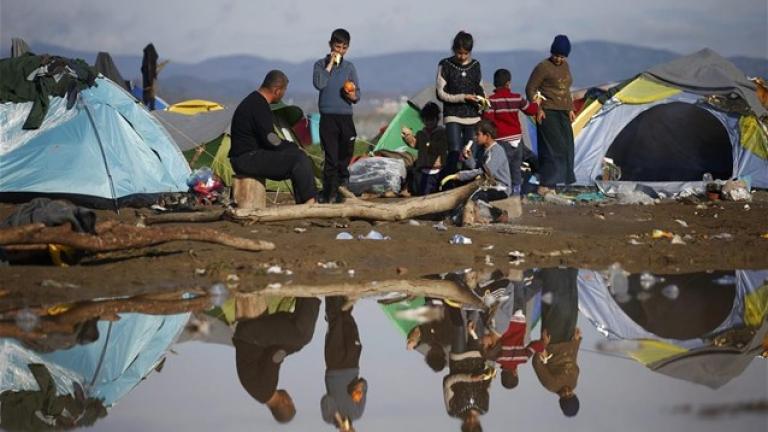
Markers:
(675, 122)
(106, 151)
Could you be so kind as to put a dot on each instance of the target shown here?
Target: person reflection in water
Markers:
(345, 390)
(557, 367)
(466, 387)
(261, 345)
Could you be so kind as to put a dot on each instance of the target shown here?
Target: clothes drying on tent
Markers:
(149, 71)
(674, 123)
(35, 79)
(105, 151)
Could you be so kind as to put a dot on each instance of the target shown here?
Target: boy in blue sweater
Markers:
(336, 79)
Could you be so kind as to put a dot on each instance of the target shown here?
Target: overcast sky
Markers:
(189, 31)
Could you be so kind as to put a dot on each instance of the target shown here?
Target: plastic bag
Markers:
(376, 174)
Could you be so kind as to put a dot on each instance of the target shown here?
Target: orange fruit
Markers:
(349, 86)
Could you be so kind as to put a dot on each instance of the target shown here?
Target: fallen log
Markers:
(205, 216)
(359, 209)
(113, 236)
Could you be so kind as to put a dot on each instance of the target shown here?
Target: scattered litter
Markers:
(635, 242)
(288, 272)
(218, 294)
(274, 286)
(599, 216)
(554, 253)
(635, 197)
(547, 298)
(374, 235)
(715, 216)
(421, 315)
(487, 248)
(747, 207)
(26, 320)
(50, 283)
(299, 230)
(488, 261)
(555, 198)
(617, 278)
(414, 222)
(736, 190)
(671, 292)
(460, 239)
(401, 270)
(328, 265)
(722, 236)
(657, 234)
(726, 280)
(199, 271)
(647, 280)
(516, 254)
(643, 296)
(351, 272)
(682, 223)
(158, 208)
(677, 240)
(344, 236)
(440, 226)
(275, 269)
(233, 278)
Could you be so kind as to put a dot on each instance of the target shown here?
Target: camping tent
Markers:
(106, 151)
(204, 136)
(107, 67)
(748, 309)
(408, 116)
(195, 106)
(137, 92)
(675, 122)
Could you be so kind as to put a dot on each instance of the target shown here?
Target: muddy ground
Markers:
(586, 236)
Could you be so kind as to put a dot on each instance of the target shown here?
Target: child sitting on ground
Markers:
(508, 349)
(432, 146)
(504, 113)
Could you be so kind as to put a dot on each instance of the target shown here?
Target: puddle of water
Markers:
(639, 351)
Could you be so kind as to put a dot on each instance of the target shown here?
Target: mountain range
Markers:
(227, 79)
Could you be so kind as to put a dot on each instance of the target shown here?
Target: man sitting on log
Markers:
(257, 151)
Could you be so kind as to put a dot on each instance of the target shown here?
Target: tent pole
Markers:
(103, 157)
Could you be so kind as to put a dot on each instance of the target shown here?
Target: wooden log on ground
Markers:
(114, 236)
(204, 216)
(358, 209)
(249, 193)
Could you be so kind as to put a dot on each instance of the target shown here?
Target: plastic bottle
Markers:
(619, 283)
(707, 178)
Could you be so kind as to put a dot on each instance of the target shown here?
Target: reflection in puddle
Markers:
(485, 334)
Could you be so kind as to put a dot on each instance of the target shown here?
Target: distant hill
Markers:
(227, 79)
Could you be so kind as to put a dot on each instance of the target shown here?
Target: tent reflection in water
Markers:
(124, 354)
(707, 335)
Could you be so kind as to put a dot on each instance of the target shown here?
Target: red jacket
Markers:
(513, 352)
(503, 112)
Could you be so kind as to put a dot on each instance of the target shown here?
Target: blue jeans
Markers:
(458, 136)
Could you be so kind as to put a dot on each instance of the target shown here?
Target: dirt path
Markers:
(586, 236)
